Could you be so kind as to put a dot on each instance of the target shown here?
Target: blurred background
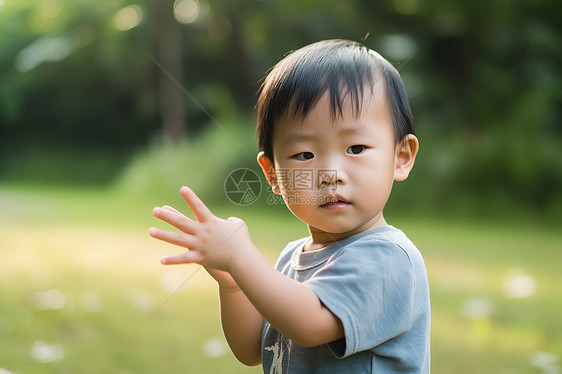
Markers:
(108, 107)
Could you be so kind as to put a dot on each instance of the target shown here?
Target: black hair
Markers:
(343, 68)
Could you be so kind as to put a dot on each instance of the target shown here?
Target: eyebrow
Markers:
(353, 130)
(295, 137)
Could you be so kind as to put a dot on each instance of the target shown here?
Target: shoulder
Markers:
(383, 256)
(381, 245)
(371, 284)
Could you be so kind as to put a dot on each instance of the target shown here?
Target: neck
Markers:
(321, 239)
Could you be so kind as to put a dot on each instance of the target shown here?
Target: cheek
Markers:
(375, 176)
(297, 204)
(379, 164)
(298, 197)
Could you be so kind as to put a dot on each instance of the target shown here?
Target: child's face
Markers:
(336, 174)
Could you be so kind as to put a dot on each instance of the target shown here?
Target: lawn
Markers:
(81, 289)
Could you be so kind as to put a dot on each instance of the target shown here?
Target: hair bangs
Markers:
(294, 86)
(343, 70)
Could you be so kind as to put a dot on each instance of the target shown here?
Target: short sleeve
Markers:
(369, 286)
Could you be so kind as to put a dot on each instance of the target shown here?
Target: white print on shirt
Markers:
(277, 363)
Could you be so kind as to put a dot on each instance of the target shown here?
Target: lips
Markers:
(335, 202)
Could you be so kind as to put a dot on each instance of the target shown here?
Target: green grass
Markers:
(92, 246)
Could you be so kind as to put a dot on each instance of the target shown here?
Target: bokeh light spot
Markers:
(186, 11)
(519, 285)
(398, 47)
(44, 49)
(129, 17)
(214, 348)
(44, 352)
(48, 300)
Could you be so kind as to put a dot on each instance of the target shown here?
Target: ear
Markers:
(268, 169)
(406, 152)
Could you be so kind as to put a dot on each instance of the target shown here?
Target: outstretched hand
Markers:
(211, 241)
(250, 288)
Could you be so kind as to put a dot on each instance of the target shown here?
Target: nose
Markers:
(330, 178)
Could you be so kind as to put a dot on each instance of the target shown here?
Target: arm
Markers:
(241, 322)
(291, 307)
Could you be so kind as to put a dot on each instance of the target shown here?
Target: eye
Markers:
(303, 156)
(356, 149)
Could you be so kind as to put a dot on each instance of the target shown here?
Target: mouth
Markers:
(335, 202)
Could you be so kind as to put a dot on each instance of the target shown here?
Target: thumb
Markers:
(234, 219)
(188, 257)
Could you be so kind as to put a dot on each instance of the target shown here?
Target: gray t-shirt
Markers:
(375, 282)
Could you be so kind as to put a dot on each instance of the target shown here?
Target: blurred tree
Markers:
(168, 48)
(483, 79)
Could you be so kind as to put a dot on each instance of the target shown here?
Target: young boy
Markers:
(353, 296)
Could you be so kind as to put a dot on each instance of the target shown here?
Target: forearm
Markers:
(242, 326)
(289, 306)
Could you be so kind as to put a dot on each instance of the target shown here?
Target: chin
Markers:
(337, 228)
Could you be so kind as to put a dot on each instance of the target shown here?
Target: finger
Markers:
(171, 209)
(177, 220)
(182, 258)
(175, 211)
(177, 238)
(198, 208)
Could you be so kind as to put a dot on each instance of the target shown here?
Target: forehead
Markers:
(320, 120)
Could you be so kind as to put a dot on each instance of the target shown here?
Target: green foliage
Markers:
(50, 163)
(203, 165)
(484, 80)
